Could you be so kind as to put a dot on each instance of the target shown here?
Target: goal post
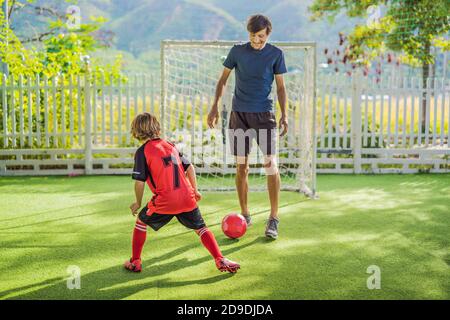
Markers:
(190, 71)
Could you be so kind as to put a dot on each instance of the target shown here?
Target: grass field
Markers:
(399, 223)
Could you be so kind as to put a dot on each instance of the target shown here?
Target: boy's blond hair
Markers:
(145, 126)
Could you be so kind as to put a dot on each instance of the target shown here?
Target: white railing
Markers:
(381, 125)
(82, 126)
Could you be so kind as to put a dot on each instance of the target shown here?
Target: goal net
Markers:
(189, 74)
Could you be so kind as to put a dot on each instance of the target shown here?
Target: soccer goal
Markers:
(190, 71)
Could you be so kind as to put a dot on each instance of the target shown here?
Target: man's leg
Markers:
(240, 137)
(242, 183)
(209, 242)
(273, 184)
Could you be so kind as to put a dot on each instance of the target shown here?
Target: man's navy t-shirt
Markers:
(255, 73)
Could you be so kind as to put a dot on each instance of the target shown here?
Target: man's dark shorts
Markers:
(191, 220)
(246, 126)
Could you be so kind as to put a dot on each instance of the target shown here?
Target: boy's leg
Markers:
(155, 221)
(193, 220)
(209, 242)
(139, 237)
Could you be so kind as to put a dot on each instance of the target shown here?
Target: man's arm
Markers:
(282, 99)
(213, 117)
(139, 187)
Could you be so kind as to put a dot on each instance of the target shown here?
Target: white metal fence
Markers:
(379, 125)
(82, 126)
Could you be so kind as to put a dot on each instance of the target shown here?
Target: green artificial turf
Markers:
(399, 223)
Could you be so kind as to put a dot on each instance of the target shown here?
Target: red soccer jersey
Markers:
(163, 167)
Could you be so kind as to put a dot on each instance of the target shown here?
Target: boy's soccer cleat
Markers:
(225, 265)
(272, 228)
(133, 266)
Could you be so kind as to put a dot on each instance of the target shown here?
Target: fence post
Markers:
(356, 121)
(88, 124)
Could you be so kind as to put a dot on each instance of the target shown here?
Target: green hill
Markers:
(140, 25)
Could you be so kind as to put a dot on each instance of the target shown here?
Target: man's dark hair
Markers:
(259, 22)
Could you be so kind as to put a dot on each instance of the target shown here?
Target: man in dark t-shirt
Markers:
(257, 64)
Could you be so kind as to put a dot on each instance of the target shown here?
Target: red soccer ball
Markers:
(234, 226)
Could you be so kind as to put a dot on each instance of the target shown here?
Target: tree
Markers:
(56, 49)
(409, 27)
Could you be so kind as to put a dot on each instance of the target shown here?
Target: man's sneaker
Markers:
(133, 266)
(248, 219)
(225, 265)
(272, 228)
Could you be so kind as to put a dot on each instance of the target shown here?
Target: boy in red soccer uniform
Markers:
(172, 180)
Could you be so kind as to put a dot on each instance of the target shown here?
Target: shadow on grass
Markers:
(56, 220)
(26, 217)
(111, 283)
